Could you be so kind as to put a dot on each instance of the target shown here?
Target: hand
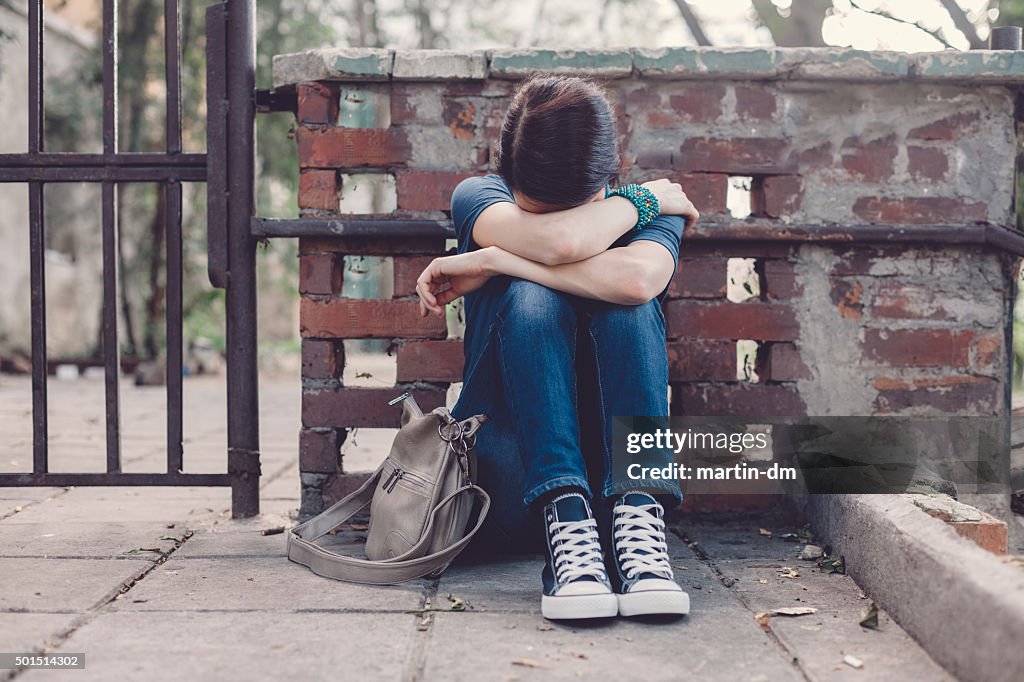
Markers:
(672, 200)
(451, 277)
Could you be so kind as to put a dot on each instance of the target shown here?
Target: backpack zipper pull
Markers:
(393, 478)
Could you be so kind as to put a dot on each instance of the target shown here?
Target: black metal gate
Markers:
(227, 167)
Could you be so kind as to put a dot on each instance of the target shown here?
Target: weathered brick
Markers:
(373, 246)
(737, 400)
(927, 163)
(363, 407)
(752, 320)
(968, 395)
(871, 161)
(906, 301)
(317, 104)
(847, 296)
(427, 190)
(430, 361)
(918, 347)
(736, 156)
(814, 158)
(756, 103)
(697, 104)
(699, 278)
(322, 359)
(319, 274)
(780, 282)
(778, 196)
(407, 271)
(349, 318)
(988, 352)
(707, 191)
(785, 364)
(458, 115)
(919, 210)
(700, 360)
(947, 128)
(352, 147)
(319, 190)
(318, 451)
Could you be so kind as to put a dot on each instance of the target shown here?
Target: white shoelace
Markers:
(577, 550)
(640, 541)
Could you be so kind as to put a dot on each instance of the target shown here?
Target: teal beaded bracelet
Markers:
(646, 203)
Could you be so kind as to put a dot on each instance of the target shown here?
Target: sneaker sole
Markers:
(654, 602)
(579, 606)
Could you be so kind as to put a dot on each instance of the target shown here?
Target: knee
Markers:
(532, 305)
(635, 320)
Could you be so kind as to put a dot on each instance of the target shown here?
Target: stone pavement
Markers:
(162, 583)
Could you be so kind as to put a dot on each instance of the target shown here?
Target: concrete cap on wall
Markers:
(682, 63)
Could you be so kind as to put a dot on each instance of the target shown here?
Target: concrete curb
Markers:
(963, 604)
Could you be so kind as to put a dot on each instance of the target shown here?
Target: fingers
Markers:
(428, 302)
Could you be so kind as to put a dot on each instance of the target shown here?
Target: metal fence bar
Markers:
(243, 399)
(37, 241)
(59, 479)
(216, 146)
(172, 220)
(111, 349)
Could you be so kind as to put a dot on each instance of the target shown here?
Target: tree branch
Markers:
(963, 24)
(693, 23)
(934, 33)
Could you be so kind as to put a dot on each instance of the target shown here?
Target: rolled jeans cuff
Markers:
(657, 487)
(560, 482)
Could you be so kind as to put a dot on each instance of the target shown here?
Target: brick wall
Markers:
(834, 141)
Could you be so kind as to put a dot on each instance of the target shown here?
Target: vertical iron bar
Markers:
(37, 241)
(111, 349)
(243, 400)
(175, 424)
(172, 75)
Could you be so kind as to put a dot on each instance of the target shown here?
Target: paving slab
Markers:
(88, 539)
(113, 504)
(30, 632)
(263, 646)
(239, 538)
(256, 584)
(62, 585)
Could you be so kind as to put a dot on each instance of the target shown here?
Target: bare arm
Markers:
(557, 237)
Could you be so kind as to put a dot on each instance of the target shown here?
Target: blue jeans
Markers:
(551, 373)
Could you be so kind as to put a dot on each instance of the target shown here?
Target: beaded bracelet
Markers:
(646, 203)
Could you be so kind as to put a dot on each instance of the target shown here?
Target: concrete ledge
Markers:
(964, 605)
(683, 63)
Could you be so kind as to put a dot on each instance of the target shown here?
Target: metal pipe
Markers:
(37, 241)
(1005, 38)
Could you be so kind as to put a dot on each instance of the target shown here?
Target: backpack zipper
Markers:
(398, 474)
(393, 478)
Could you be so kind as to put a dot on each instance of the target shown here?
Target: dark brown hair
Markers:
(558, 143)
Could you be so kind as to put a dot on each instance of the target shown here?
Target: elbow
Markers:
(562, 250)
(639, 285)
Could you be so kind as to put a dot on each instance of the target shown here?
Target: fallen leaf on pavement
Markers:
(869, 617)
(544, 627)
(576, 654)
(853, 661)
(837, 565)
(794, 611)
(458, 603)
(788, 572)
(762, 619)
(764, 532)
(526, 663)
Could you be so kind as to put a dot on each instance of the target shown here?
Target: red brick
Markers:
(373, 246)
(736, 156)
(655, 158)
(967, 395)
(351, 318)
(755, 103)
(322, 359)
(341, 486)
(319, 274)
(899, 301)
(699, 104)
(918, 347)
(753, 320)
(780, 281)
(320, 190)
(317, 104)
(707, 191)
(785, 364)
(919, 210)
(318, 451)
(737, 400)
(698, 360)
(407, 271)
(699, 278)
(847, 296)
(947, 128)
(352, 147)
(870, 161)
(362, 407)
(427, 190)
(430, 361)
(459, 115)
(814, 158)
(988, 351)
(778, 196)
(402, 109)
(927, 163)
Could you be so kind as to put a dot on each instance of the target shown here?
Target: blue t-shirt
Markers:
(475, 194)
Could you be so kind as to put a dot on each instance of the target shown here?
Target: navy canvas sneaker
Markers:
(640, 568)
(575, 581)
